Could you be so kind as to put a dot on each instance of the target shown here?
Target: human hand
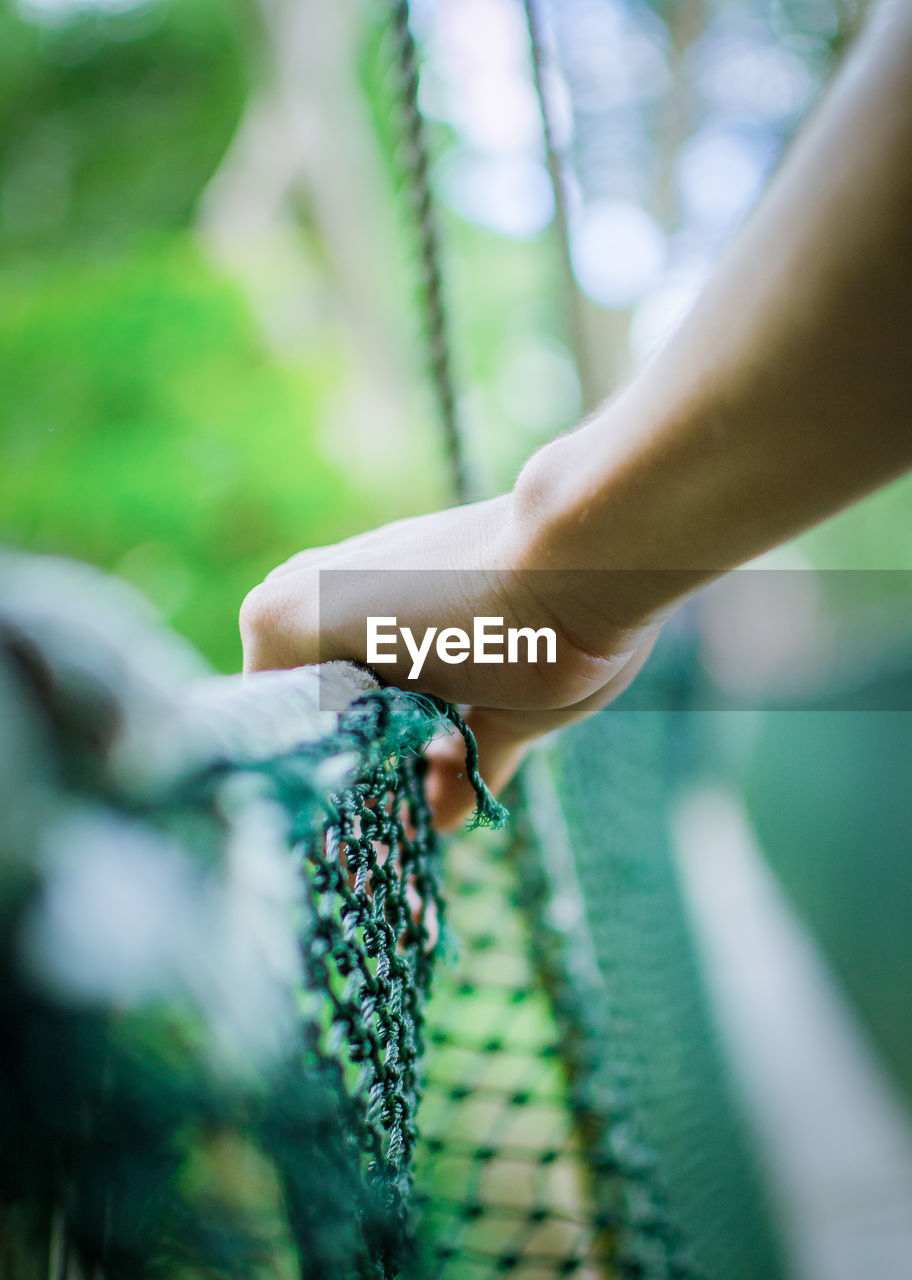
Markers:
(741, 432)
(444, 570)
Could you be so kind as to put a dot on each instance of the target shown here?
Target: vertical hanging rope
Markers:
(573, 302)
(415, 168)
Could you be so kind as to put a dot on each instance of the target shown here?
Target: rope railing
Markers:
(220, 916)
(220, 906)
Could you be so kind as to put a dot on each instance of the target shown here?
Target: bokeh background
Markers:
(211, 356)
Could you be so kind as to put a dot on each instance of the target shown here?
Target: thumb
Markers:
(501, 747)
(280, 623)
(503, 738)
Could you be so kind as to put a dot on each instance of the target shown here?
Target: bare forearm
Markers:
(782, 398)
(787, 392)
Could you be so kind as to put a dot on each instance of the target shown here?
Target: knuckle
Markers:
(256, 612)
(578, 674)
(258, 623)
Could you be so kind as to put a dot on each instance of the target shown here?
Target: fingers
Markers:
(280, 628)
(313, 609)
(449, 792)
(280, 623)
(312, 558)
(325, 556)
(287, 622)
(503, 738)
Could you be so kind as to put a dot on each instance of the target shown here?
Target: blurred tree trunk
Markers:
(303, 212)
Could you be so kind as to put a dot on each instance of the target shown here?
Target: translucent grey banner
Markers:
(754, 638)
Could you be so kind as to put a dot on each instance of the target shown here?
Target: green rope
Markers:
(489, 812)
(414, 153)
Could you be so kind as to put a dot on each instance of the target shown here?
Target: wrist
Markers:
(539, 508)
(581, 509)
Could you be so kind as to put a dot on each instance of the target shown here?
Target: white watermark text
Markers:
(489, 641)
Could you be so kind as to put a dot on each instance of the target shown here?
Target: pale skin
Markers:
(784, 396)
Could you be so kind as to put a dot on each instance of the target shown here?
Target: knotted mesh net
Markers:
(220, 907)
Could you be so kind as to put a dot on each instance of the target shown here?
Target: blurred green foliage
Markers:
(112, 122)
(145, 429)
(144, 425)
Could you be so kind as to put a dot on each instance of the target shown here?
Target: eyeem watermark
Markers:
(489, 642)
(759, 639)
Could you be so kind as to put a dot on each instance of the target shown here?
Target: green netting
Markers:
(501, 1175)
(219, 912)
(616, 1084)
(578, 1119)
(827, 790)
(669, 1153)
(208, 1065)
